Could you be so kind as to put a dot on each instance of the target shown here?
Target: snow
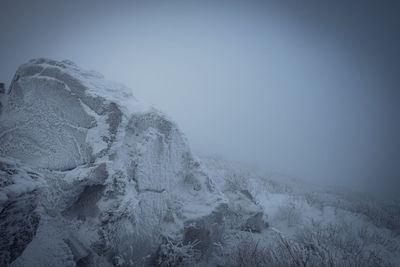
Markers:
(91, 175)
(111, 165)
(19, 182)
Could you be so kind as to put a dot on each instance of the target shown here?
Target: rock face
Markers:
(2, 88)
(255, 223)
(116, 174)
(52, 120)
(89, 176)
(19, 218)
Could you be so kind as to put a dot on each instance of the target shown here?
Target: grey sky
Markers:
(308, 88)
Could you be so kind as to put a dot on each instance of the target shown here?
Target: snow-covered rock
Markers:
(117, 174)
(19, 218)
(52, 119)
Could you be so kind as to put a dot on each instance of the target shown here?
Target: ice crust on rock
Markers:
(113, 169)
(53, 119)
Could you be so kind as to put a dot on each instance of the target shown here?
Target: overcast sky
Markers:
(307, 88)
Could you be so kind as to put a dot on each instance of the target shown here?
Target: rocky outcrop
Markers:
(2, 88)
(111, 167)
(89, 176)
(255, 223)
(19, 218)
(52, 120)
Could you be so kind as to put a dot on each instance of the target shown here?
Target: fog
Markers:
(304, 89)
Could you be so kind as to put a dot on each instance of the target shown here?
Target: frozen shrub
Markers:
(275, 187)
(330, 245)
(204, 232)
(381, 214)
(132, 250)
(338, 244)
(246, 252)
(235, 183)
(314, 201)
(175, 253)
(290, 214)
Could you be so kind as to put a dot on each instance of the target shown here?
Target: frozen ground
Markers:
(89, 176)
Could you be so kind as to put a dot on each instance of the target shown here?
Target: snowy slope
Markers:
(309, 225)
(89, 176)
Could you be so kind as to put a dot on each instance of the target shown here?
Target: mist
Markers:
(304, 89)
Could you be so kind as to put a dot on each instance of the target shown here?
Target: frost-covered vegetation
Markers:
(308, 225)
